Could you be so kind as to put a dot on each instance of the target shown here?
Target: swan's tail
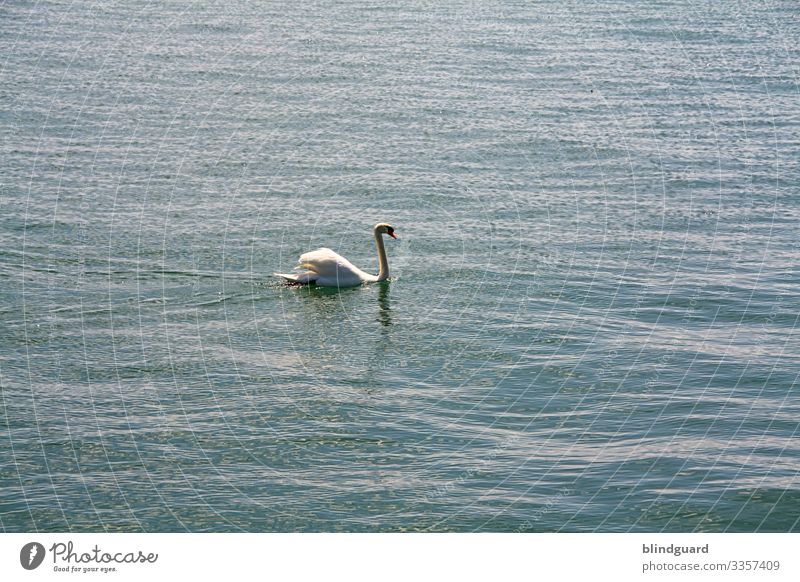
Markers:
(298, 278)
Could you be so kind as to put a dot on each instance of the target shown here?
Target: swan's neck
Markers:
(383, 273)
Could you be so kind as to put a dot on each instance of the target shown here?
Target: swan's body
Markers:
(329, 269)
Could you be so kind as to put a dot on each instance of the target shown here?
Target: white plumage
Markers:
(330, 269)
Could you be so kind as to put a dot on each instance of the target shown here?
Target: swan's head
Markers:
(383, 228)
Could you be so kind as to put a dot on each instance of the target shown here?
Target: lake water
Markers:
(592, 318)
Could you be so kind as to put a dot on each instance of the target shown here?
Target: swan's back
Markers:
(331, 269)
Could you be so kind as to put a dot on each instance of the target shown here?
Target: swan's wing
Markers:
(322, 261)
(331, 269)
(327, 263)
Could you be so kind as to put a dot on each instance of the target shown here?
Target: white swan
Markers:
(329, 269)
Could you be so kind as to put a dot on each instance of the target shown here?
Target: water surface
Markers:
(591, 324)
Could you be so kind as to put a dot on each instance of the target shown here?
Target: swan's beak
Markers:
(392, 234)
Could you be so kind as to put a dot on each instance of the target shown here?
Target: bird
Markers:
(327, 268)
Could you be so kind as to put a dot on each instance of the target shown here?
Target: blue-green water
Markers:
(592, 321)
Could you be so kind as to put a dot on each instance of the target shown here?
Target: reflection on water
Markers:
(384, 308)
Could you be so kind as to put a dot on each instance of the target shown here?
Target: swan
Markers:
(326, 268)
